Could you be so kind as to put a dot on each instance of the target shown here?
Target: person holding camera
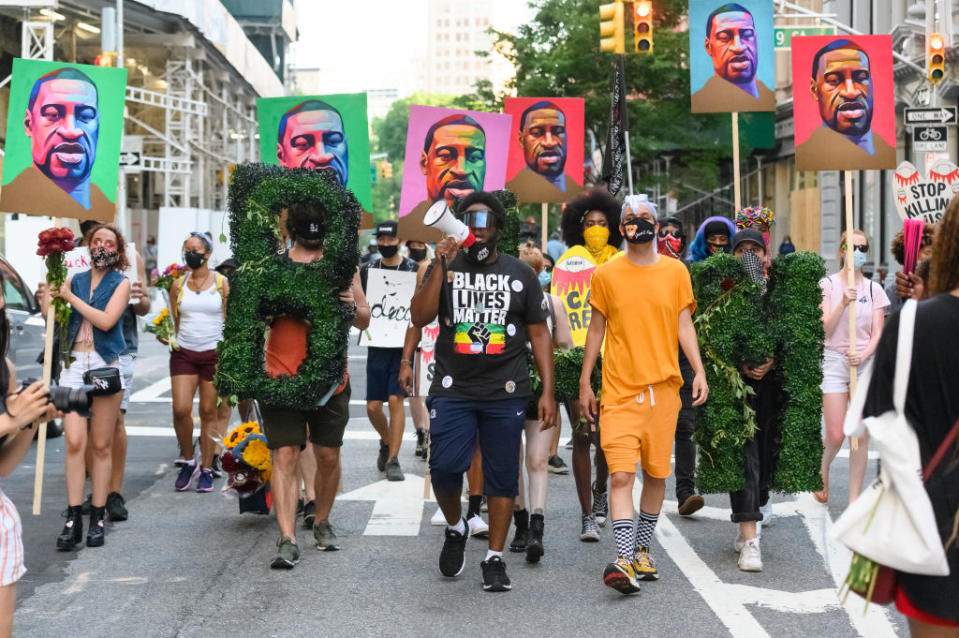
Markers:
(98, 298)
(20, 411)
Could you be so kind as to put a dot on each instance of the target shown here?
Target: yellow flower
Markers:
(251, 427)
(235, 437)
(257, 455)
(158, 320)
(266, 474)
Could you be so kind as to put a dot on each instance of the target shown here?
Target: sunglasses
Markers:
(863, 248)
(478, 218)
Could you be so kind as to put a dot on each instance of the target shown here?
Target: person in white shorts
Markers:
(870, 300)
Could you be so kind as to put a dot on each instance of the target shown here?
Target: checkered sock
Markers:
(623, 531)
(645, 529)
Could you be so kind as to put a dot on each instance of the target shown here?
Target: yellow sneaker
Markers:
(644, 566)
(621, 576)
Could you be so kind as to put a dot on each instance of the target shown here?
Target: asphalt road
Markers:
(187, 564)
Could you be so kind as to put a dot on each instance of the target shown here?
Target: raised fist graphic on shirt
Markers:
(479, 334)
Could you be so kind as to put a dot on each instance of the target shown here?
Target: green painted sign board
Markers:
(784, 35)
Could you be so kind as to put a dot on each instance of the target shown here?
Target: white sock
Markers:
(490, 554)
(459, 527)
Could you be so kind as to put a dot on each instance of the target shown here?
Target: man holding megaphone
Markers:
(489, 305)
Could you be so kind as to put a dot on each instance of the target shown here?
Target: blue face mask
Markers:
(545, 278)
(858, 260)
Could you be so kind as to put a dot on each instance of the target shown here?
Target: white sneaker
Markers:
(751, 558)
(438, 518)
(478, 527)
(741, 540)
(767, 511)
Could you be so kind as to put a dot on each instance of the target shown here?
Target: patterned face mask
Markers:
(102, 258)
(754, 268)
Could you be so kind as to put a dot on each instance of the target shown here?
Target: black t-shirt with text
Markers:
(481, 349)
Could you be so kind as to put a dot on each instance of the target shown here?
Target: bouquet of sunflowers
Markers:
(164, 329)
(249, 465)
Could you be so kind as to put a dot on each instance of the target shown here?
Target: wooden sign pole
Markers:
(851, 282)
(543, 221)
(42, 424)
(737, 195)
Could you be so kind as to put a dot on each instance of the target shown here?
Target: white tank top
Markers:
(201, 319)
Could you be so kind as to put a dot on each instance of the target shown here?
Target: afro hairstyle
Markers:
(576, 210)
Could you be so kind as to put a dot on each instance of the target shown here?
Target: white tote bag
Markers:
(892, 522)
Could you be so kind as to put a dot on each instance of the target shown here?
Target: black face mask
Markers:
(639, 230)
(417, 254)
(480, 251)
(194, 259)
(388, 251)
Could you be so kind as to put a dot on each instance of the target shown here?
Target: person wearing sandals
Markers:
(199, 308)
(932, 409)
(871, 301)
(98, 297)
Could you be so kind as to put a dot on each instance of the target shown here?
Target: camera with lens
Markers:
(96, 383)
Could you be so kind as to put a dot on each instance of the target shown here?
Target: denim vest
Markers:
(108, 344)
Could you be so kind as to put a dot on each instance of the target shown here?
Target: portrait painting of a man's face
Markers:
(731, 44)
(312, 135)
(842, 86)
(546, 148)
(449, 153)
(731, 56)
(542, 135)
(63, 123)
(844, 113)
(454, 158)
(64, 126)
(319, 132)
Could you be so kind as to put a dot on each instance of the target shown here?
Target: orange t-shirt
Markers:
(641, 305)
(286, 349)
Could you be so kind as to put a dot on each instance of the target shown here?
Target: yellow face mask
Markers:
(596, 238)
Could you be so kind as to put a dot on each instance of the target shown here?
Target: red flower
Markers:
(55, 240)
(727, 284)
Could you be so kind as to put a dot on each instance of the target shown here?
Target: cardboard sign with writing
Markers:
(571, 279)
(427, 358)
(388, 292)
(925, 199)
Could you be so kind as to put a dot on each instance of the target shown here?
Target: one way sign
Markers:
(931, 115)
(130, 159)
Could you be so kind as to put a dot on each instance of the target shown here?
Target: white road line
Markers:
(397, 509)
(349, 435)
(875, 623)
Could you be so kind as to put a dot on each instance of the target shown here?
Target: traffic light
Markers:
(386, 170)
(106, 58)
(936, 60)
(643, 26)
(612, 28)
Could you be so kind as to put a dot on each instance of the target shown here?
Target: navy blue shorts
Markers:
(454, 425)
(382, 373)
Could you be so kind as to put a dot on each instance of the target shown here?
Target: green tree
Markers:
(557, 54)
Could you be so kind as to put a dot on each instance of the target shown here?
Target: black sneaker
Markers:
(309, 515)
(287, 554)
(217, 466)
(116, 507)
(494, 575)
(393, 470)
(453, 554)
(556, 465)
(383, 457)
(421, 443)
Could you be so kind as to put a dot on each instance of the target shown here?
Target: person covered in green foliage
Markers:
(750, 505)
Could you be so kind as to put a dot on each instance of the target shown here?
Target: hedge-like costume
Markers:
(736, 325)
(267, 285)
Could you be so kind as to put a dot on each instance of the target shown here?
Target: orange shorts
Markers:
(641, 428)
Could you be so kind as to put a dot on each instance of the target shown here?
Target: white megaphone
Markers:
(440, 216)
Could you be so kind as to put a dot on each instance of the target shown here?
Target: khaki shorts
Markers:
(641, 428)
(285, 427)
